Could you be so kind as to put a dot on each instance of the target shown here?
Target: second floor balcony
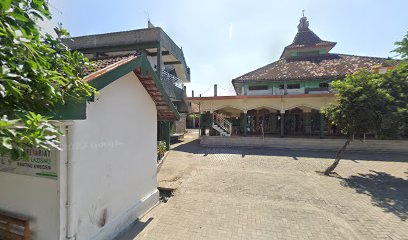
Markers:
(173, 86)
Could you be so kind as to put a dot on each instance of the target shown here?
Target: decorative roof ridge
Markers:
(114, 56)
(363, 56)
(337, 54)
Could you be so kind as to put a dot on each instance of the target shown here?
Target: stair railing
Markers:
(221, 121)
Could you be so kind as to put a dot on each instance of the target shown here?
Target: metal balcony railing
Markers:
(175, 80)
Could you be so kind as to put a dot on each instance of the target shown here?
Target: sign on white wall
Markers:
(40, 163)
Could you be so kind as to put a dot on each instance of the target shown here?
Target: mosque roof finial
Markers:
(303, 23)
(306, 39)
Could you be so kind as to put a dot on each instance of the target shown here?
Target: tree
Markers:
(402, 49)
(371, 103)
(38, 73)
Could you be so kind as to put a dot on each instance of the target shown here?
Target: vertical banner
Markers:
(40, 163)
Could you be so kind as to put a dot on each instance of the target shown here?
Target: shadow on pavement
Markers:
(133, 230)
(195, 148)
(386, 191)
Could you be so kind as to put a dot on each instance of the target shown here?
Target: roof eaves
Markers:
(259, 80)
(107, 69)
(320, 44)
(74, 109)
(111, 73)
(146, 70)
(102, 78)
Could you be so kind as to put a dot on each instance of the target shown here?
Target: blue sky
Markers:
(222, 40)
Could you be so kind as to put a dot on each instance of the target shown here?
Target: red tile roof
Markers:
(327, 66)
(308, 38)
(102, 66)
(103, 62)
(165, 112)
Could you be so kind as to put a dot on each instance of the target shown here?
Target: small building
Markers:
(104, 177)
(284, 98)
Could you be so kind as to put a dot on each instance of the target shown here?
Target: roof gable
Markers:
(306, 39)
(109, 70)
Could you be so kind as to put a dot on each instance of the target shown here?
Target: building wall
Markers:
(153, 62)
(181, 123)
(275, 102)
(268, 91)
(300, 90)
(273, 88)
(113, 156)
(33, 198)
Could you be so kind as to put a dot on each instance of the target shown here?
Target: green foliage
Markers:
(395, 82)
(194, 116)
(372, 103)
(402, 48)
(161, 147)
(38, 72)
(173, 128)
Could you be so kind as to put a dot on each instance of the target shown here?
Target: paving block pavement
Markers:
(242, 193)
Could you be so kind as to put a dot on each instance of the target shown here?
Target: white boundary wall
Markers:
(32, 198)
(400, 146)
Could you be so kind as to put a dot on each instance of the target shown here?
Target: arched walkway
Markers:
(263, 121)
(298, 121)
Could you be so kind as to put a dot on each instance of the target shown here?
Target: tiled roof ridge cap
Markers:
(115, 56)
(363, 56)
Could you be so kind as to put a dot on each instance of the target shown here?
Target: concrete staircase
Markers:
(220, 130)
(222, 125)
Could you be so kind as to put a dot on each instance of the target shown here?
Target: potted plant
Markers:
(161, 149)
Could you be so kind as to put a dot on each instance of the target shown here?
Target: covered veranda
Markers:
(266, 116)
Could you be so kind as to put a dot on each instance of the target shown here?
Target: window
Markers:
(294, 86)
(258, 87)
(323, 85)
(309, 53)
(281, 86)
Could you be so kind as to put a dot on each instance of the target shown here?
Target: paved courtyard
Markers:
(242, 193)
